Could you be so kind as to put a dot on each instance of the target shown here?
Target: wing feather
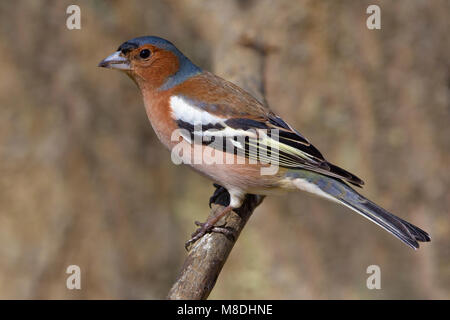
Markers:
(265, 138)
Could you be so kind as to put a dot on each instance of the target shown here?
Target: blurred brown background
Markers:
(83, 179)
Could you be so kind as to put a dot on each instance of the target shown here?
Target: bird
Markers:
(227, 135)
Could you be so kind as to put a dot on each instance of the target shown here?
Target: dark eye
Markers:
(144, 54)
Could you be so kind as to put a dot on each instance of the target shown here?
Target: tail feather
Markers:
(403, 230)
(337, 190)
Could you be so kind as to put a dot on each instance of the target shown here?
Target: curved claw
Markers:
(204, 228)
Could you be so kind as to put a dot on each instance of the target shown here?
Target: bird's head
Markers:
(152, 62)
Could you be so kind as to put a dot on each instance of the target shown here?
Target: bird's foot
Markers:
(220, 196)
(209, 226)
(206, 227)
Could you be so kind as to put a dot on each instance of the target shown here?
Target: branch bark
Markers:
(241, 61)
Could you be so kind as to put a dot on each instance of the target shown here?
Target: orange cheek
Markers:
(168, 61)
(154, 74)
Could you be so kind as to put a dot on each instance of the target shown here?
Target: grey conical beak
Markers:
(115, 61)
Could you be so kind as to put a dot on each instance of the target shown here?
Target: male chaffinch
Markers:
(206, 109)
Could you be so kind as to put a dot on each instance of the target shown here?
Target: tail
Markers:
(339, 191)
(405, 231)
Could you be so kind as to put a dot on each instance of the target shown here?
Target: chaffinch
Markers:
(205, 119)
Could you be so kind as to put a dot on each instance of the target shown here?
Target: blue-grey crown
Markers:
(187, 68)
